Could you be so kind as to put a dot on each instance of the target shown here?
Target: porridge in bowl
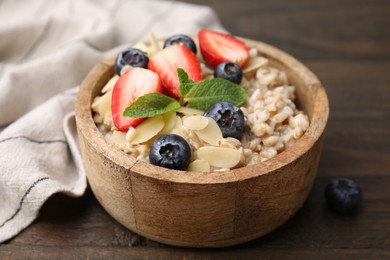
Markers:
(265, 122)
(198, 208)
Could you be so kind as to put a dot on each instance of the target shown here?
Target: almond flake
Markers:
(219, 156)
(155, 46)
(102, 104)
(199, 166)
(148, 129)
(179, 122)
(195, 122)
(170, 119)
(179, 131)
(130, 134)
(190, 111)
(141, 46)
(255, 63)
(110, 84)
(211, 134)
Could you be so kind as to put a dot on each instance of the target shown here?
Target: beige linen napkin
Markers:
(46, 49)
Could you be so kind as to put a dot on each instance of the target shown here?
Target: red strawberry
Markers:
(166, 62)
(218, 47)
(134, 83)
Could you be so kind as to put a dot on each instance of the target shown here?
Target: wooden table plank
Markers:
(59, 252)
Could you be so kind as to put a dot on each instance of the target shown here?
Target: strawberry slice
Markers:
(218, 47)
(166, 62)
(134, 83)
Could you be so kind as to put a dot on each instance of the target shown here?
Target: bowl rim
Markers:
(92, 135)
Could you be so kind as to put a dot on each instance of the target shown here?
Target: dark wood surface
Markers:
(347, 45)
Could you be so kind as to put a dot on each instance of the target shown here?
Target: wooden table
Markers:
(347, 45)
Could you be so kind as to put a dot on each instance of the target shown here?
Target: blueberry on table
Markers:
(230, 71)
(229, 118)
(170, 151)
(181, 39)
(131, 57)
(343, 195)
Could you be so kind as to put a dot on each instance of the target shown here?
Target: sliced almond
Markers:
(95, 103)
(148, 129)
(117, 138)
(190, 111)
(125, 69)
(170, 119)
(154, 41)
(221, 157)
(179, 131)
(102, 104)
(155, 46)
(254, 64)
(179, 122)
(149, 49)
(195, 122)
(130, 134)
(110, 84)
(141, 46)
(211, 134)
(152, 51)
(199, 166)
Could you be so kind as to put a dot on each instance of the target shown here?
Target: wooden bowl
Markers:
(195, 209)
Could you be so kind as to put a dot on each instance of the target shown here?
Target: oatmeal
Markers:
(271, 120)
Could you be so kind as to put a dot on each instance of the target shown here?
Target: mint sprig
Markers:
(200, 95)
(210, 91)
(151, 104)
(185, 82)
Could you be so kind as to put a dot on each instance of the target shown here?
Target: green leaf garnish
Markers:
(151, 104)
(200, 95)
(185, 83)
(210, 91)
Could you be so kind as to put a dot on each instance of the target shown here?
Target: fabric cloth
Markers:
(46, 49)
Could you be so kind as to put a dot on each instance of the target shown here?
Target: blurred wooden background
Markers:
(347, 45)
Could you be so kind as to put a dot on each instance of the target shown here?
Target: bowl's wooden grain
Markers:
(204, 209)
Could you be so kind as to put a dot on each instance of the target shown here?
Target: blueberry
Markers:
(230, 71)
(131, 57)
(229, 118)
(343, 195)
(181, 39)
(170, 151)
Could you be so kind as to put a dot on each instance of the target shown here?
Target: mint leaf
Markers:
(183, 76)
(151, 104)
(185, 82)
(200, 95)
(209, 91)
